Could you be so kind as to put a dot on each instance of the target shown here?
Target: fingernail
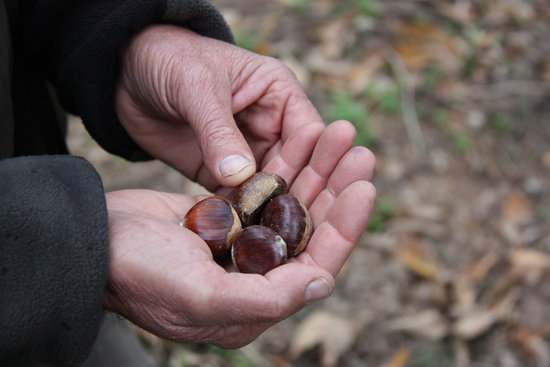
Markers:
(233, 164)
(317, 289)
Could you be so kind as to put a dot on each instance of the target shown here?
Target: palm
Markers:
(163, 277)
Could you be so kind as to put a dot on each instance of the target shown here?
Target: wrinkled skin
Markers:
(179, 102)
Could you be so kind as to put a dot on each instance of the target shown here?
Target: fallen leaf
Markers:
(420, 45)
(517, 211)
(532, 344)
(429, 324)
(413, 254)
(400, 358)
(459, 11)
(530, 259)
(461, 353)
(474, 323)
(335, 334)
(546, 155)
(361, 73)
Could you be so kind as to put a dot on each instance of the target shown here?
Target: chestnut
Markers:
(287, 216)
(257, 250)
(252, 195)
(216, 222)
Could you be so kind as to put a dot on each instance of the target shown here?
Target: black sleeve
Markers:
(53, 259)
(81, 41)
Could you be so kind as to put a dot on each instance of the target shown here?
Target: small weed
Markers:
(343, 106)
(461, 141)
(388, 98)
(383, 212)
(248, 41)
(441, 118)
(432, 76)
(367, 8)
(438, 354)
(233, 357)
(300, 6)
(501, 123)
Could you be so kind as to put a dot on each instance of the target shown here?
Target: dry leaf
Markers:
(429, 324)
(474, 323)
(516, 212)
(420, 45)
(461, 353)
(533, 345)
(418, 258)
(335, 334)
(529, 264)
(400, 358)
(361, 73)
(459, 11)
(530, 259)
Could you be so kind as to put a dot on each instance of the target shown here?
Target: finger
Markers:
(333, 239)
(356, 165)
(295, 152)
(298, 111)
(335, 141)
(226, 153)
(238, 298)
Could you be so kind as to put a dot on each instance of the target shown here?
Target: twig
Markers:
(508, 89)
(408, 101)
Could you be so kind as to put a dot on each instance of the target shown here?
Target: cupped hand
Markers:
(163, 278)
(208, 108)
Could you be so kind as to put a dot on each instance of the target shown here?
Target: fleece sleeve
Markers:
(81, 41)
(53, 259)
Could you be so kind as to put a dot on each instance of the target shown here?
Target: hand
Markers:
(163, 278)
(208, 108)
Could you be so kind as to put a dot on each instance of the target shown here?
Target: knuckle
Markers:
(215, 131)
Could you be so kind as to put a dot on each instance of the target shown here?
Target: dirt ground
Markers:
(453, 97)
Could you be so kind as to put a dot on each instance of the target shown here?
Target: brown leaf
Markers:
(420, 45)
(474, 323)
(335, 334)
(532, 344)
(546, 155)
(429, 324)
(400, 358)
(418, 258)
(529, 259)
(517, 211)
(459, 11)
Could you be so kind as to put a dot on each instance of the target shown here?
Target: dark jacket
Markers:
(53, 219)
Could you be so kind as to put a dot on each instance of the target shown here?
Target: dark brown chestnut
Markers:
(257, 250)
(254, 193)
(287, 216)
(216, 222)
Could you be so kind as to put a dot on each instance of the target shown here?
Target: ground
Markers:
(453, 97)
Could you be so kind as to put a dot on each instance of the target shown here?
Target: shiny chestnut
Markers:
(287, 216)
(216, 222)
(257, 250)
(253, 194)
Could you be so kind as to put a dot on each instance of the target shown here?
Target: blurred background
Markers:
(453, 97)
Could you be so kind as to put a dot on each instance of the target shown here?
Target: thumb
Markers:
(225, 152)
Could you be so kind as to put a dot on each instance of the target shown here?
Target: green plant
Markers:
(432, 76)
(501, 123)
(247, 40)
(388, 98)
(367, 8)
(437, 354)
(300, 6)
(343, 106)
(383, 212)
(233, 357)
